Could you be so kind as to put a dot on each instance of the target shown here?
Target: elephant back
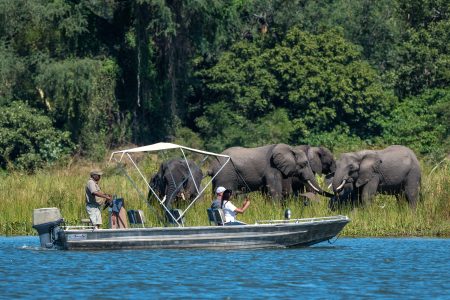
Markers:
(244, 171)
(399, 158)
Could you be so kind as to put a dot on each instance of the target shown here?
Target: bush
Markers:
(422, 123)
(338, 140)
(80, 95)
(28, 139)
(306, 84)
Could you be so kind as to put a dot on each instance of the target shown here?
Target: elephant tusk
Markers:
(329, 186)
(341, 186)
(314, 188)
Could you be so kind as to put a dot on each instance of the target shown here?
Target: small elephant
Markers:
(263, 169)
(394, 170)
(321, 161)
(173, 181)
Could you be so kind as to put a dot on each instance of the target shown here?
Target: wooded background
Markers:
(79, 77)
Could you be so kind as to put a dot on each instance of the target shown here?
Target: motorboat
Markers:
(285, 233)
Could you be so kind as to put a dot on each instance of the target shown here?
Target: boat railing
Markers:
(303, 220)
(72, 227)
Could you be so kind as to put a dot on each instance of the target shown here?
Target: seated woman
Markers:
(230, 210)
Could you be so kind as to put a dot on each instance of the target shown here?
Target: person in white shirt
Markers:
(229, 209)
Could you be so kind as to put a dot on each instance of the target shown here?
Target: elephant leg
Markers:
(307, 188)
(412, 186)
(369, 190)
(355, 197)
(274, 186)
(286, 187)
(333, 203)
(297, 187)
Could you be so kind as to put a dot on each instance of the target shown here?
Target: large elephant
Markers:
(173, 181)
(321, 161)
(394, 170)
(263, 169)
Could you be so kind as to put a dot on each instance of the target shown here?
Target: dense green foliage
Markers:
(63, 83)
(421, 122)
(319, 80)
(28, 139)
(345, 74)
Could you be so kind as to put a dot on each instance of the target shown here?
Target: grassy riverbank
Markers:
(64, 188)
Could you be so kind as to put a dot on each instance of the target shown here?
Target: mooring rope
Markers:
(336, 238)
(240, 176)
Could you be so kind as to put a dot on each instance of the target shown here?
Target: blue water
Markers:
(362, 268)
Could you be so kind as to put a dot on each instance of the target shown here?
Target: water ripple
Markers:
(367, 268)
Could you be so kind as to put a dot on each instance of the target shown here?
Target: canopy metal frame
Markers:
(119, 156)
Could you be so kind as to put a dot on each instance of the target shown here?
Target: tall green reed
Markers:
(64, 188)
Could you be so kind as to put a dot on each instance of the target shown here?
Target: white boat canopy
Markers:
(163, 146)
(118, 157)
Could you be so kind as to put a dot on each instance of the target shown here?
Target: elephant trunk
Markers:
(339, 180)
(171, 195)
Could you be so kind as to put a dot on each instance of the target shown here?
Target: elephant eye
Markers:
(353, 168)
(302, 164)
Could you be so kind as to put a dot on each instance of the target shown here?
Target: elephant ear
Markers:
(315, 162)
(368, 168)
(283, 159)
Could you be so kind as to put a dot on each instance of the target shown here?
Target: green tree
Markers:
(80, 95)
(11, 69)
(155, 44)
(421, 122)
(239, 92)
(374, 25)
(28, 139)
(424, 59)
(324, 83)
(421, 13)
(320, 82)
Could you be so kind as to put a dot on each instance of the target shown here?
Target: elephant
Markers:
(394, 170)
(263, 169)
(321, 161)
(173, 181)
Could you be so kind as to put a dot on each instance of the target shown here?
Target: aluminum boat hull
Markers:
(274, 235)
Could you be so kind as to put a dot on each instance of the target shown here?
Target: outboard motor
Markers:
(47, 221)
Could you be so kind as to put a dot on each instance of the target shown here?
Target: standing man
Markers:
(93, 198)
(217, 202)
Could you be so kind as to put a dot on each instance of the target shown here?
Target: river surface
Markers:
(359, 268)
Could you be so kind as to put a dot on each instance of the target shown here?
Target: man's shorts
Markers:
(94, 214)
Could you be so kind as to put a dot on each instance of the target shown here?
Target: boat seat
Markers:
(86, 221)
(176, 213)
(211, 217)
(136, 218)
(216, 216)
